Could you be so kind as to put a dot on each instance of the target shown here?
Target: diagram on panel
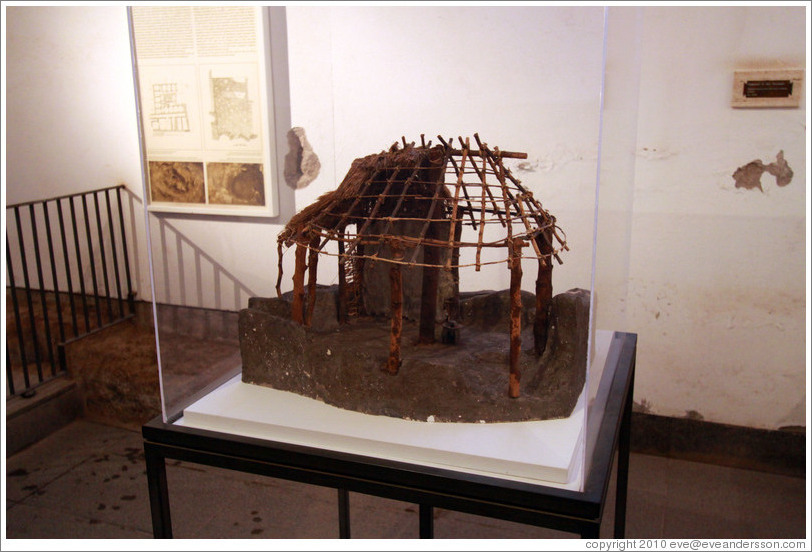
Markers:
(168, 113)
(232, 109)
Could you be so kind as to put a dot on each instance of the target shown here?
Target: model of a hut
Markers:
(407, 207)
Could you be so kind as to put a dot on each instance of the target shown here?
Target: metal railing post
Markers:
(30, 322)
(93, 278)
(67, 268)
(103, 256)
(54, 276)
(43, 299)
(130, 294)
(79, 264)
(18, 321)
(115, 255)
(27, 283)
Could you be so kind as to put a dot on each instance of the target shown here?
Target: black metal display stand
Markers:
(429, 487)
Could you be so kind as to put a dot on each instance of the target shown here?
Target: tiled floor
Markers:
(89, 481)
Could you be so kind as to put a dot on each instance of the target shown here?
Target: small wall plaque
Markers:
(768, 88)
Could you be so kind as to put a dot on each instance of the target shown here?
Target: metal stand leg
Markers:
(426, 521)
(158, 493)
(591, 530)
(343, 513)
(624, 446)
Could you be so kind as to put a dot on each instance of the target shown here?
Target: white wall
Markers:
(69, 96)
(363, 77)
(714, 282)
(70, 122)
(711, 277)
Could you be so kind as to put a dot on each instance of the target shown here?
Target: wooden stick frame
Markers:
(391, 187)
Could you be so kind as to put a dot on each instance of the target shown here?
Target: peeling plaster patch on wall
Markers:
(749, 176)
(553, 159)
(302, 165)
(528, 166)
(654, 154)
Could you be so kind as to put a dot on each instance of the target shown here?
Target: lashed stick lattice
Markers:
(445, 189)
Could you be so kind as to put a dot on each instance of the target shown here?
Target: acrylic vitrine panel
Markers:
(455, 202)
(615, 195)
(205, 91)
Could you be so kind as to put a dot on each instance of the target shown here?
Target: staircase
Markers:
(68, 276)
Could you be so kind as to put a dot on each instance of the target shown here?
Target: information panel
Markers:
(204, 100)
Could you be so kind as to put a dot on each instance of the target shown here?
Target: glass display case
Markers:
(454, 208)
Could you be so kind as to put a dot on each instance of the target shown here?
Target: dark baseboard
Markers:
(775, 451)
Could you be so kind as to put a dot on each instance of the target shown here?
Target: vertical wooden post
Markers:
(312, 273)
(428, 294)
(544, 291)
(454, 307)
(279, 270)
(396, 287)
(515, 315)
(358, 275)
(297, 307)
(342, 281)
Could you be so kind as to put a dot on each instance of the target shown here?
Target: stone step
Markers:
(54, 404)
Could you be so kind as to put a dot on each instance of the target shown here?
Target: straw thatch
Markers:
(462, 186)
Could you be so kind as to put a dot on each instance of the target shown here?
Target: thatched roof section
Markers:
(439, 185)
(367, 179)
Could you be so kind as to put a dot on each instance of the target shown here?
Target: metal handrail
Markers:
(82, 247)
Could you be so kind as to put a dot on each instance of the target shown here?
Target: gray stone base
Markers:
(466, 382)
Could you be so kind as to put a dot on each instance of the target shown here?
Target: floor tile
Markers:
(27, 522)
(108, 487)
(88, 481)
(458, 525)
(704, 489)
(645, 514)
(649, 473)
(207, 503)
(374, 517)
(688, 523)
(777, 498)
(33, 468)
